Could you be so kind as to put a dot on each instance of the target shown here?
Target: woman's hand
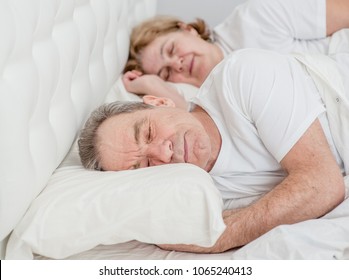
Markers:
(147, 84)
(135, 82)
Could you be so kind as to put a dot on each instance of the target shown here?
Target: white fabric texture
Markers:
(58, 61)
(245, 94)
(280, 25)
(135, 250)
(80, 209)
(118, 92)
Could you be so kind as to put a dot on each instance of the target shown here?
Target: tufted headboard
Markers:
(58, 61)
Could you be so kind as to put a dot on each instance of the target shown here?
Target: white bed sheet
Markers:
(134, 250)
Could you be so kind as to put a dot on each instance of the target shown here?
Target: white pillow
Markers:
(118, 92)
(80, 209)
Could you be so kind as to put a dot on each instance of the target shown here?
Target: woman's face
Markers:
(181, 57)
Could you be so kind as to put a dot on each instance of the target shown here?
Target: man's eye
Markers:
(149, 135)
(171, 49)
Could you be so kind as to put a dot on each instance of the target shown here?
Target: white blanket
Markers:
(330, 84)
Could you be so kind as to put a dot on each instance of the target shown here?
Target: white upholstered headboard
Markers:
(58, 61)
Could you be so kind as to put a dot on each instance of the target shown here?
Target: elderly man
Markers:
(258, 126)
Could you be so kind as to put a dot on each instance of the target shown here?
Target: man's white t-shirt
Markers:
(280, 25)
(262, 103)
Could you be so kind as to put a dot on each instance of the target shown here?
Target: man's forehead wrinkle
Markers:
(111, 149)
(117, 157)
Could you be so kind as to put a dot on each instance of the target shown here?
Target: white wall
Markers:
(212, 11)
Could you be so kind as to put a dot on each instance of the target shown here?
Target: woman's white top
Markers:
(281, 25)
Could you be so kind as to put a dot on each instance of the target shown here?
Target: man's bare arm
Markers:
(313, 187)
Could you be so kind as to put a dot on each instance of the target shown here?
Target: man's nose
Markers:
(159, 154)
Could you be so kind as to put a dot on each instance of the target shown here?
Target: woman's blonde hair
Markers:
(143, 34)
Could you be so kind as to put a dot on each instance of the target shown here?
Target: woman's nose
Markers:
(177, 63)
(159, 154)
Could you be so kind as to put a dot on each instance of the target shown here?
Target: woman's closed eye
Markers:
(166, 73)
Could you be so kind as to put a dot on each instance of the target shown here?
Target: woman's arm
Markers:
(135, 82)
(337, 15)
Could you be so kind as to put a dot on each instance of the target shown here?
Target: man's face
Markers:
(152, 137)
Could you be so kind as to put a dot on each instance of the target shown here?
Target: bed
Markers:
(59, 60)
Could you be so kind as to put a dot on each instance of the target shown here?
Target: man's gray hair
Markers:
(88, 139)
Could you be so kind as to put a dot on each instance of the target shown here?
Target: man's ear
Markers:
(158, 101)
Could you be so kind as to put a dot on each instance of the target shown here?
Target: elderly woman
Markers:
(167, 49)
